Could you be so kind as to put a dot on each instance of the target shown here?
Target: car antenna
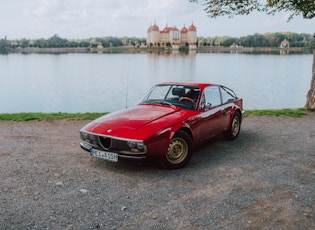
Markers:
(127, 83)
(127, 93)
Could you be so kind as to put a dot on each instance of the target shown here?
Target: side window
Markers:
(227, 95)
(212, 96)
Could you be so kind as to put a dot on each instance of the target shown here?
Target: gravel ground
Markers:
(263, 180)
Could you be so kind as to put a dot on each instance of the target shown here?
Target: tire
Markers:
(179, 151)
(235, 127)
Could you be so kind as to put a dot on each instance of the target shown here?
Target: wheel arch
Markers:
(239, 112)
(186, 130)
(159, 143)
(179, 151)
(229, 133)
(236, 110)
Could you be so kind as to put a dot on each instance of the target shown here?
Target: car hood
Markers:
(135, 122)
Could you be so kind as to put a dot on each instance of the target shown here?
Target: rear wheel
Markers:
(179, 151)
(235, 127)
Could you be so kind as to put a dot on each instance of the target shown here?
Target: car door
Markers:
(212, 114)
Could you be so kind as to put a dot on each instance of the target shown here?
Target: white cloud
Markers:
(90, 18)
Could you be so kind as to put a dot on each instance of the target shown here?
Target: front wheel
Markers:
(179, 151)
(235, 127)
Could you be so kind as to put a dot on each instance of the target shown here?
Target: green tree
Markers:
(57, 42)
(230, 8)
(3, 46)
(24, 42)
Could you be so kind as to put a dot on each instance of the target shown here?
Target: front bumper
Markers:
(124, 155)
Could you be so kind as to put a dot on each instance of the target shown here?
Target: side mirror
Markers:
(205, 106)
(208, 106)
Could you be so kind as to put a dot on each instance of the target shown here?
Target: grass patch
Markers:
(91, 116)
(279, 112)
(48, 116)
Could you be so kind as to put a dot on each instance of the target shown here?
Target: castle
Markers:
(172, 37)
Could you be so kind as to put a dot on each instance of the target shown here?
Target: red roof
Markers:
(184, 30)
(168, 29)
(192, 28)
(153, 28)
(285, 42)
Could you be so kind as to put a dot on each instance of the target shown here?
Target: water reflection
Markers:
(108, 82)
(284, 51)
(167, 52)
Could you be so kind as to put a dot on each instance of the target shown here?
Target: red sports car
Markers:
(166, 124)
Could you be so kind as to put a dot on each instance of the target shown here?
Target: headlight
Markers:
(131, 144)
(87, 137)
(140, 145)
(84, 135)
(136, 146)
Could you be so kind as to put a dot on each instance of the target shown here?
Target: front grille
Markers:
(114, 145)
(105, 142)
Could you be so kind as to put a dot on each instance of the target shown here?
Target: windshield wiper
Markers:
(164, 103)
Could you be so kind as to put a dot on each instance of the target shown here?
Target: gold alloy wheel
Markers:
(177, 151)
(235, 126)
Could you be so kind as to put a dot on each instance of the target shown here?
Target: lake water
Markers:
(108, 82)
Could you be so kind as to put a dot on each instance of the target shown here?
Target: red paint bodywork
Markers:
(155, 124)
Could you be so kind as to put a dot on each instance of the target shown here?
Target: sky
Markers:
(79, 19)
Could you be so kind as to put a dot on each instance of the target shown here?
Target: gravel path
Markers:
(263, 180)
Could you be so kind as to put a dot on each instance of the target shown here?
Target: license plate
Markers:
(104, 155)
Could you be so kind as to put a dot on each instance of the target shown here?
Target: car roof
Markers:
(194, 84)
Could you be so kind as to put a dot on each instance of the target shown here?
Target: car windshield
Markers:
(186, 97)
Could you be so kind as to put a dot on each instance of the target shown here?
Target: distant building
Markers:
(285, 44)
(172, 37)
(235, 46)
(99, 45)
(14, 43)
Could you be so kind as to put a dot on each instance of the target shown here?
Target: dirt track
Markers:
(263, 180)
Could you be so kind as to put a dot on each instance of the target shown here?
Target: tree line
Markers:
(261, 40)
(57, 42)
(255, 40)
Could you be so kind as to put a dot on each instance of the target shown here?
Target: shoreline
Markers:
(130, 49)
(28, 116)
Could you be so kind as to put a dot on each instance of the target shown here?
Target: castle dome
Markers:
(184, 30)
(192, 28)
(153, 28)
